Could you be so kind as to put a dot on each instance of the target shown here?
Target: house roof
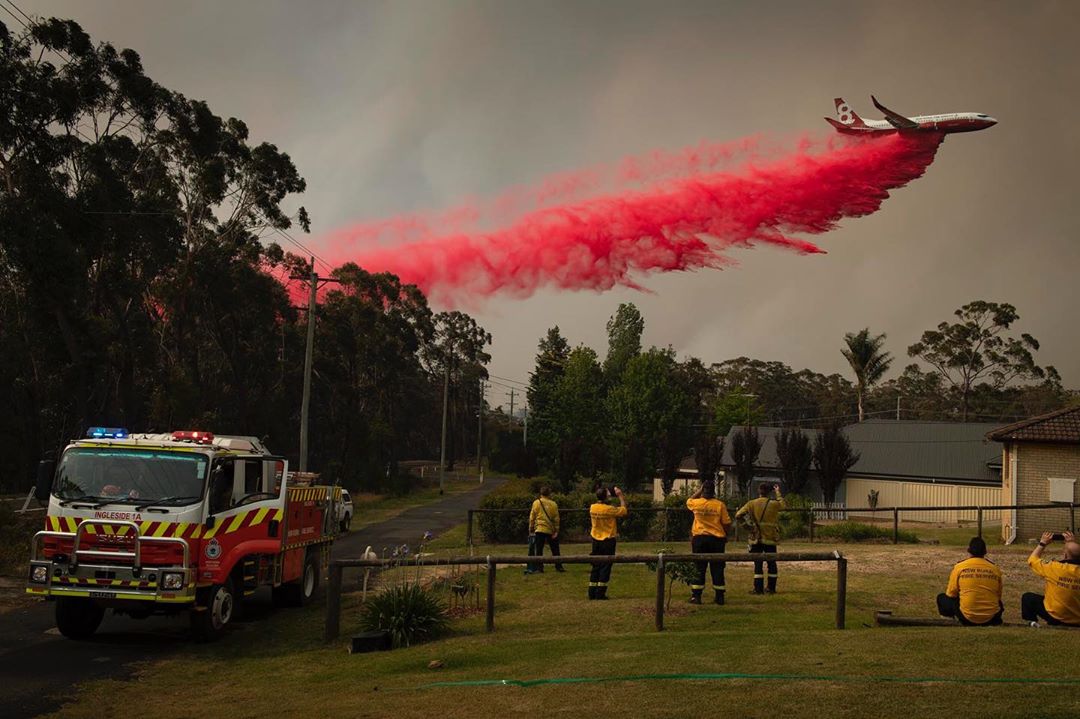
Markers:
(909, 449)
(1061, 426)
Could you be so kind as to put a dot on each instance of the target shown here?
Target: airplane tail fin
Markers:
(847, 115)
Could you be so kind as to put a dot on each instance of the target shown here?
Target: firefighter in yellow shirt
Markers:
(605, 531)
(544, 529)
(1061, 602)
(708, 536)
(974, 592)
(762, 518)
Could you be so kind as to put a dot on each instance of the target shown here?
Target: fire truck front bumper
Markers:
(170, 585)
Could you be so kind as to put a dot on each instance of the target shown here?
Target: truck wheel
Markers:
(212, 621)
(77, 618)
(345, 523)
(299, 592)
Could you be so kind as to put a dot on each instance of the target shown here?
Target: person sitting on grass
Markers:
(973, 595)
(1061, 602)
(543, 528)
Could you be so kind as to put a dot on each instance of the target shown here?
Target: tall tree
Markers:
(796, 455)
(833, 457)
(624, 329)
(553, 351)
(868, 361)
(580, 423)
(745, 448)
(976, 347)
(457, 358)
(645, 409)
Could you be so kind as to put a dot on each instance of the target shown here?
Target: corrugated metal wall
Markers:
(919, 494)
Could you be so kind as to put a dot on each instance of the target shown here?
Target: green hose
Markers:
(755, 677)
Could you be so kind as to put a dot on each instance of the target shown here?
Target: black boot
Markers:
(592, 592)
(771, 588)
(695, 596)
(759, 585)
(601, 592)
(719, 597)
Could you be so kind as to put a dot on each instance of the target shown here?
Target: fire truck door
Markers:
(244, 500)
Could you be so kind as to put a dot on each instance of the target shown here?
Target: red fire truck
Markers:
(161, 523)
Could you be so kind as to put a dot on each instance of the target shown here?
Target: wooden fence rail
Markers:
(662, 559)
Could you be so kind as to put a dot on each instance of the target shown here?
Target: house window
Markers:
(1061, 490)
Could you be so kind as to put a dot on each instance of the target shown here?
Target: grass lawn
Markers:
(546, 629)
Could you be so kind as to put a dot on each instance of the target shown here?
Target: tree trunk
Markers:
(859, 395)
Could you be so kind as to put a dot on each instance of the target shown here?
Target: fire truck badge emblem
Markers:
(213, 549)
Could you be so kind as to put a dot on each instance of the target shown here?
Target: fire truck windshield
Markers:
(124, 476)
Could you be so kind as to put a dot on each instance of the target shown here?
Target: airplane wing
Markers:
(894, 118)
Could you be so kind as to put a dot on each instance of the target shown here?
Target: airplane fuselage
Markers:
(953, 122)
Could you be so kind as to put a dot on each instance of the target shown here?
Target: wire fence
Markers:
(491, 562)
(673, 523)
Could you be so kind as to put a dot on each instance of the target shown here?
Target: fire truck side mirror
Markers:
(211, 521)
(43, 483)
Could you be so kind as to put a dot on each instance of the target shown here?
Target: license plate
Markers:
(103, 595)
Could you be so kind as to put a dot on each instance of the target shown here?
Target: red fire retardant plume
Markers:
(682, 223)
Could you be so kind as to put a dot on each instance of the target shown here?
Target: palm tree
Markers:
(867, 359)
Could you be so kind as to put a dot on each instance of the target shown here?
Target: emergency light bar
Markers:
(193, 436)
(107, 433)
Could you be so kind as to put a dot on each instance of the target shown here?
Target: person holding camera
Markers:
(604, 532)
(544, 529)
(708, 535)
(1060, 603)
(761, 517)
(973, 594)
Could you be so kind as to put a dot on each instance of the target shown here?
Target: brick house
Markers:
(1040, 465)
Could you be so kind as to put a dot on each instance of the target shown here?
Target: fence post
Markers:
(811, 525)
(1072, 517)
(490, 594)
(333, 603)
(841, 590)
(660, 584)
(979, 518)
(468, 531)
(896, 525)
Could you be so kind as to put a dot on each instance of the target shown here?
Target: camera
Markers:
(1058, 537)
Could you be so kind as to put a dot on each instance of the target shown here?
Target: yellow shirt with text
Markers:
(977, 582)
(710, 517)
(603, 518)
(1062, 595)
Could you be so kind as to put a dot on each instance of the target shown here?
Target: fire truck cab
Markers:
(187, 521)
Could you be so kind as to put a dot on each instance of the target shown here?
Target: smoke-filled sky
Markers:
(402, 107)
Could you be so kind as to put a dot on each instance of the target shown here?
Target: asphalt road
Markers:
(39, 669)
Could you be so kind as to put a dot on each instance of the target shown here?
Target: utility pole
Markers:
(442, 445)
(479, 426)
(511, 422)
(305, 403)
(897, 408)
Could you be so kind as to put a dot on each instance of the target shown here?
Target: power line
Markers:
(290, 238)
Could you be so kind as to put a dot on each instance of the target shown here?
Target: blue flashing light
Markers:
(107, 433)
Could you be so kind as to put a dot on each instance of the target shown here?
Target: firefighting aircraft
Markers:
(848, 121)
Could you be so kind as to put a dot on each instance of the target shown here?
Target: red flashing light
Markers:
(193, 436)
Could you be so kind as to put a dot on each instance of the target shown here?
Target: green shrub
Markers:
(674, 525)
(410, 614)
(795, 524)
(505, 527)
(849, 531)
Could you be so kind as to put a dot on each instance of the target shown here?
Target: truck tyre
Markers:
(77, 618)
(300, 591)
(345, 521)
(219, 610)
